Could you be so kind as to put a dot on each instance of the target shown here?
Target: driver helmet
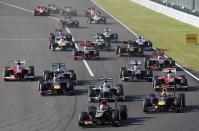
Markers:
(164, 92)
(103, 102)
(105, 85)
(18, 63)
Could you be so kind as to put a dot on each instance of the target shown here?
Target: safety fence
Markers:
(188, 6)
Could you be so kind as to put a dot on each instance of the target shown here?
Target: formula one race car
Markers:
(159, 61)
(105, 90)
(68, 11)
(170, 79)
(69, 23)
(86, 51)
(146, 44)
(41, 11)
(129, 48)
(108, 36)
(101, 44)
(59, 81)
(96, 18)
(103, 115)
(135, 72)
(20, 71)
(164, 101)
(61, 41)
(89, 11)
(52, 9)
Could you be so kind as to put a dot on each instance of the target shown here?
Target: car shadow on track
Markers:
(129, 98)
(191, 108)
(134, 121)
(193, 88)
(79, 92)
(87, 82)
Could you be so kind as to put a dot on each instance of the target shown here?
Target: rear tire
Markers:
(82, 117)
(115, 115)
(46, 75)
(146, 104)
(117, 50)
(123, 112)
(120, 91)
(180, 102)
(31, 71)
(6, 72)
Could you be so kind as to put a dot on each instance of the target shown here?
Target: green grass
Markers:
(165, 32)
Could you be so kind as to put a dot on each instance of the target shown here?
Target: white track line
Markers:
(17, 7)
(189, 73)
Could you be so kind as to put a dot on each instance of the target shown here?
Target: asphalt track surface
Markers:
(23, 35)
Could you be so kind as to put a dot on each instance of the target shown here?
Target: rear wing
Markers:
(102, 79)
(87, 44)
(59, 30)
(158, 53)
(167, 70)
(108, 79)
(55, 66)
(19, 61)
(41, 7)
(134, 62)
(93, 9)
(168, 89)
(107, 30)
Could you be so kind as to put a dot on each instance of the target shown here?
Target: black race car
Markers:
(69, 23)
(130, 48)
(103, 115)
(135, 72)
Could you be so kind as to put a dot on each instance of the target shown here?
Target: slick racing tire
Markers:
(46, 75)
(146, 104)
(120, 91)
(82, 117)
(31, 71)
(117, 50)
(6, 72)
(123, 112)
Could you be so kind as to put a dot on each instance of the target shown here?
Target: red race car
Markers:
(41, 11)
(159, 61)
(87, 51)
(20, 71)
(89, 11)
(170, 79)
